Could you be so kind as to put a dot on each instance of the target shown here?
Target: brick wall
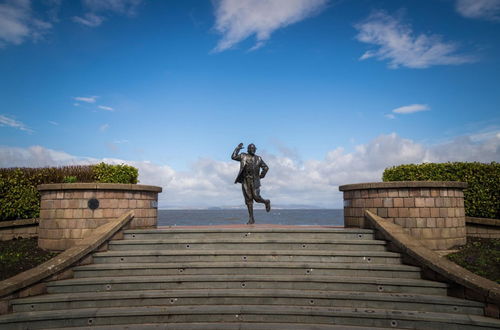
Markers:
(65, 215)
(24, 228)
(430, 211)
(483, 228)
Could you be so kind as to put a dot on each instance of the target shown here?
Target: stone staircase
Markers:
(247, 278)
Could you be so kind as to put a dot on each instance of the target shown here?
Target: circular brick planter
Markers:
(70, 211)
(429, 210)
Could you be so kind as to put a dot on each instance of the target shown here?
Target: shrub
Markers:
(70, 179)
(482, 197)
(19, 198)
(115, 173)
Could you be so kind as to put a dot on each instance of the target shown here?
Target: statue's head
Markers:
(251, 149)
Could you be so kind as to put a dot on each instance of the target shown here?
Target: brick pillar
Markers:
(70, 211)
(428, 210)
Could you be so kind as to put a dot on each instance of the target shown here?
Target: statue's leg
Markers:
(247, 194)
(251, 220)
(259, 199)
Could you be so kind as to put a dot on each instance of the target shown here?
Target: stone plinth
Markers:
(428, 210)
(68, 212)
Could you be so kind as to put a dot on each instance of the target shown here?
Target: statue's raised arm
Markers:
(235, 155)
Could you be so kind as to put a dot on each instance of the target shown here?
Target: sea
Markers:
(296, 217)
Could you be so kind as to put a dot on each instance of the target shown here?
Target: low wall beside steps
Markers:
(70, 211)
(432, 211)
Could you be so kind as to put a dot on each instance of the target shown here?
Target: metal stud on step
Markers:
(394, 323)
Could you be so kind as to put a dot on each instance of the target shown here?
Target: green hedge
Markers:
(482, 197)
(19, 198)
(115, 173)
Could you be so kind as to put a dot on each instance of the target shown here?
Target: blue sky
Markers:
(331, 92)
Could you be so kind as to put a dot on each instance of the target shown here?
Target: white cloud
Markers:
(98, 10)
(104, 127)
(397, 43)
(479, 9)
(237, 20)
(103, 107)
(390, 116)
(313, 182)
(10, 122)
(411, 109)
(89, 19)
(18, 23)
(125, 7)
(53, 123)
(38, 156)
(89, 99)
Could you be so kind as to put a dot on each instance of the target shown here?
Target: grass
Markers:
(19, 255)
(480, 256)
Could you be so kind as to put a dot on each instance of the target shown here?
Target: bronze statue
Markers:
(249, 177)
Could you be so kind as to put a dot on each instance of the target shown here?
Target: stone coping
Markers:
(488, 290)
(483, 221)
(403, 184)
(19, 223)
(67, 258)
(95, 186)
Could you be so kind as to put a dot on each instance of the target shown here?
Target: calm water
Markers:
(327, 217)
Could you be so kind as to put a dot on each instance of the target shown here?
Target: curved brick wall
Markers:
(65, 215)
(430, 211)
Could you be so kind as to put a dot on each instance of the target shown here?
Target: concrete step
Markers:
(227, 326)
(243, 233)
(193, 255)
(294, 282)
(246, 314)
(248, 268)
(249, 244)
(394, 301)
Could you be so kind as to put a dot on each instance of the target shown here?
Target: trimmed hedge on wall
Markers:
(482, 197)
(19, 198)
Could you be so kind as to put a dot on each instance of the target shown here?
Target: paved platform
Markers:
(263, 226)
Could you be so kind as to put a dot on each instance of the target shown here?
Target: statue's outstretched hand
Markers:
(262, 175)
(240, 146)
